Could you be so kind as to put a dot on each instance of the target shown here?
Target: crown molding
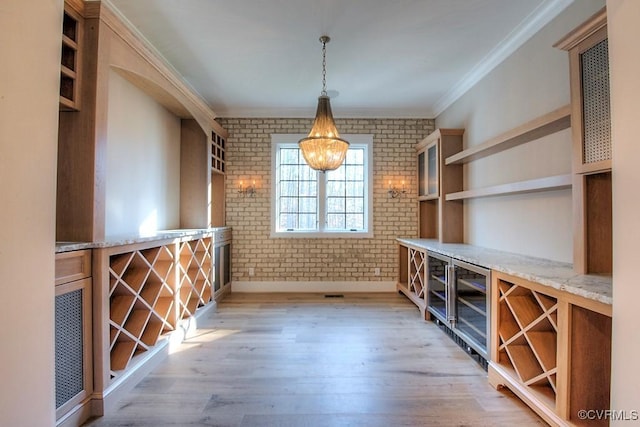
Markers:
(353, 113)
(529, 26)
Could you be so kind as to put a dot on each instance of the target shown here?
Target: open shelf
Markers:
(539, 127)
(557, 182)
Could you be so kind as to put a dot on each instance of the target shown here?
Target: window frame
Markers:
(291, 140)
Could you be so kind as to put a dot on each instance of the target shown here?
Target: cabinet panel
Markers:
(439, 218)
(73, 349)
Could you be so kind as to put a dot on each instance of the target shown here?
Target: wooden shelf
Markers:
(557, 182)
(547, 124)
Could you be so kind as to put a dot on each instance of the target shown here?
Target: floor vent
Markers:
(334, 296)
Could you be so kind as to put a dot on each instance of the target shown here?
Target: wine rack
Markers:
(196, 272)
(528, 335)
(417, 269)
(141, 297)
(70, 60)
(218, 152)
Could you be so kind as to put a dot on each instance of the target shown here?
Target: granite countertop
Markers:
(135, 238)
(557, 275)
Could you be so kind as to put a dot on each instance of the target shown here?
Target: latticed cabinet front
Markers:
(417, 273)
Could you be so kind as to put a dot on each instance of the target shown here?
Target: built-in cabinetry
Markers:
(439, 218)
(591, 129)
(218, 171)
(100, 45)
(73, 336)
(545, 331)
(450, 291)
(148, 289)
(552, 349)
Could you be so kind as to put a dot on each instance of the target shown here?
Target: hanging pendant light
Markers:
(323, 149)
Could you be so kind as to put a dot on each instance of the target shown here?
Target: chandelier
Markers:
(323, 149)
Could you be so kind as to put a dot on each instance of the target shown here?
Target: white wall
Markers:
(624, 32)
(29, 81)
(143, 162)
(533, 81)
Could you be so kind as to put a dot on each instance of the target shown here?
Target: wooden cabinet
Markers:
(591, 130)
(428, 187)
(147, 289)
(141, 302)
(73, 336)
(552, 349)
(71, 59)
(439, 218)
(218, 180)
(412, 280)
(222, 259)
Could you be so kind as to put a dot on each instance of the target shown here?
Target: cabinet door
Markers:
(432, 169)
(422, 171)
(428, 171)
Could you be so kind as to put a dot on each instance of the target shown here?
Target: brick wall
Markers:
(286, 259)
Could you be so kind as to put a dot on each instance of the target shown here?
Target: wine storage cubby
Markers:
(149, 289)
(70, 64)
(527, 333)
(141, 300)
(196, 272)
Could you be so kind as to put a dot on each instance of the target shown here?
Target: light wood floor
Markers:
(307, 360)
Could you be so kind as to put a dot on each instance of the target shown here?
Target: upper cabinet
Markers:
(439, 218)
(591, 130)
(428, 171)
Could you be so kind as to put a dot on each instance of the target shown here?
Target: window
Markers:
(307, 203)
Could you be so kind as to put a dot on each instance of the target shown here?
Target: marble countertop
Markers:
(136, 238)
(557, 275)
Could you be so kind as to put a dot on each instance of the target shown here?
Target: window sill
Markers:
(321, 235)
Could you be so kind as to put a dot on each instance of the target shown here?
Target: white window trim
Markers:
(292, 138)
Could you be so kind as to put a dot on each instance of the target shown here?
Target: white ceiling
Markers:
(386, 58)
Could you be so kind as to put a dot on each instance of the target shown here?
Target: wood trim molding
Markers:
(588, 28)
(76, 5)
(121, 27)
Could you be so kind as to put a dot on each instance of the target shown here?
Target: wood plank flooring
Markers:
(306, 360)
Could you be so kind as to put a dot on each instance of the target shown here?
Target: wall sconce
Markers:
(395, 192)
(249, 190)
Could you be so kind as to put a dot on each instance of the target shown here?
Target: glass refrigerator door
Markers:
(472, 304)
(437, 286)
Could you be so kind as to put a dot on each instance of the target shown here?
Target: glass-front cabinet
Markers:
(428, 171)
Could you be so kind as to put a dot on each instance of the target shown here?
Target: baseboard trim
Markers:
(313, 287)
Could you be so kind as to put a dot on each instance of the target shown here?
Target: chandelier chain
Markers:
(324, 68)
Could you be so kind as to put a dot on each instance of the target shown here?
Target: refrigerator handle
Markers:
(451, 295)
